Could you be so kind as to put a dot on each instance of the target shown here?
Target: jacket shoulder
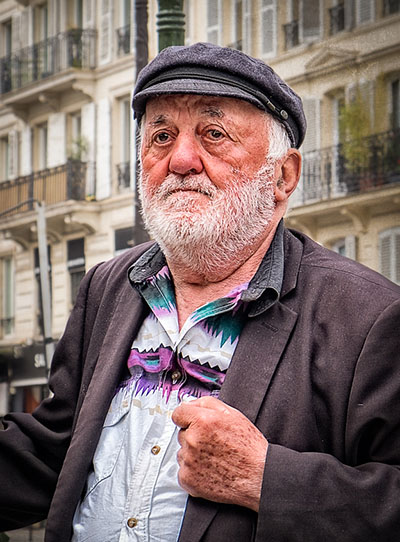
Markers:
(319, 262)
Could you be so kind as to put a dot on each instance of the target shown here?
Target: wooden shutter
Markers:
(57, 139)
(26, 150)
(311, 20)
(312, 113)
(106, 31)
(89, 14)
(13, 145)
(103, 155)
(268, 18)
(365, 11)
(89, 135)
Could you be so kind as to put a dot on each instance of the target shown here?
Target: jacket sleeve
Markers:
(314, 496)
(32, 447)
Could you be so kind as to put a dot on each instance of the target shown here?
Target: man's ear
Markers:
(288, 175)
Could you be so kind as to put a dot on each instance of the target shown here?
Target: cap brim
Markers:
(190, 86)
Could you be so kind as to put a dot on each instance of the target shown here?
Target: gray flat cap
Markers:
(211, 70)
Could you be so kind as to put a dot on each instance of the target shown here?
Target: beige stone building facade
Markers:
(66, 139)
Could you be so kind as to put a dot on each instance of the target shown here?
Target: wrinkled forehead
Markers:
(169, 106)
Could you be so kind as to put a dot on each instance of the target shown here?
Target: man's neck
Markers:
(194, 290)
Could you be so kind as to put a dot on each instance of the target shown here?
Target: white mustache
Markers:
(198, 183)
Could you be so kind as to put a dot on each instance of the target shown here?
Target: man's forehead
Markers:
(160, 108)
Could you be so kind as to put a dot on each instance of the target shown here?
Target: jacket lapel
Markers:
(253, 365)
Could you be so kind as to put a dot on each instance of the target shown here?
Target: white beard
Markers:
(208, 238)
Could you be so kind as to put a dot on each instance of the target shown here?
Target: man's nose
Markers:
(185, 156)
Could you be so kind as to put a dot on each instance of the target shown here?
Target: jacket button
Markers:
(155, 450)
(132, 522)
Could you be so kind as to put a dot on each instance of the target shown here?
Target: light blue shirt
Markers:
(133, 492)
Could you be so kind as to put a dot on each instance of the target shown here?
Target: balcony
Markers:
(123, 40)
(356, 167)
(336, 19)
(124, 175)
(291, 31)
(54, 185)
(61, 63)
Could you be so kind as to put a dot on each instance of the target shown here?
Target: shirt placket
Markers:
(144, 479)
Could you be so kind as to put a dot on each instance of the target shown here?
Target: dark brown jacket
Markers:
(318, 373)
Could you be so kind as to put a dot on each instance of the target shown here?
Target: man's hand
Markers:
(222, 453)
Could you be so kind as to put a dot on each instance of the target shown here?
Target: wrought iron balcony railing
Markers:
(124, 175)
(124, 40)
(336, 19)
(291, 31)
(75, 48)
(51, 185)
(351, 168)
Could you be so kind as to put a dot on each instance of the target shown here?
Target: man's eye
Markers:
(215, 134)
(161, 137)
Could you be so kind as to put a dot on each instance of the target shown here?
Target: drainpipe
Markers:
(170, 23)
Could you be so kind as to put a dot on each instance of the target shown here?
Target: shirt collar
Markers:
(264, 288)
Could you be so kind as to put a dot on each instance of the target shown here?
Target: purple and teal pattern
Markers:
(194, 360)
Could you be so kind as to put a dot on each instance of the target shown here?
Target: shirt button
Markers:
(155, 450)
(176, 375)
(132, 522)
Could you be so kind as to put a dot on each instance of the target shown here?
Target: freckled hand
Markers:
(222, 453)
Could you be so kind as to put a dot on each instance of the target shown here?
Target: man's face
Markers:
(206, 185)
(189, 134)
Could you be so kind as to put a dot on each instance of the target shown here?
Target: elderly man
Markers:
(233, 381)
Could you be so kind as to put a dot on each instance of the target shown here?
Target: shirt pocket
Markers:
(111, 440)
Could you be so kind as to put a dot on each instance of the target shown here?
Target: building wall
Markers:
(323, 68)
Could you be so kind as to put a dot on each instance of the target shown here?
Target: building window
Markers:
(77, 147)
(76, 265)
(4, 159)
(124, 165)
(237, 25)
(40, 147)
(305, 22)
(268, 31)
(8, 294)
(336, 18)
(123, 240)
(347, 246)
(6, 38)
(389, 254)
(213, 21)
(390, 7)
(124, 31)
(395, 88)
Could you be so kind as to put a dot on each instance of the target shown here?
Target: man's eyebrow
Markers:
(159, 119)
(213, 112)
